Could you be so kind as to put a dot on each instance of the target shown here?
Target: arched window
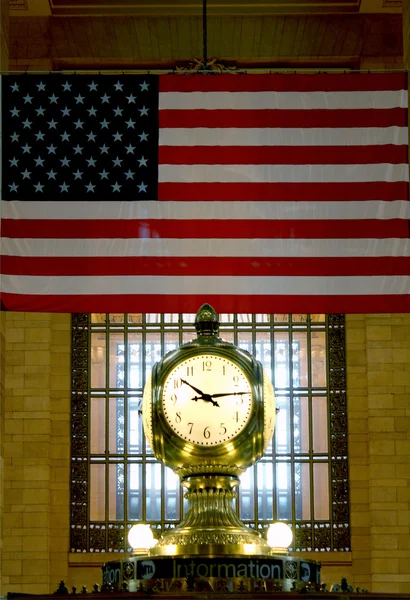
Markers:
(301, 479)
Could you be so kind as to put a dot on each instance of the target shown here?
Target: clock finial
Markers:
(207, 321)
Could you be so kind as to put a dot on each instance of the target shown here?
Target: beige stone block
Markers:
(12, 425)
(36, 357)
(403, 494)
(60, 382)
(381, 424)
(379, 332)
(359, 472)
(401, 378)
(360, 567)
(36, 381)
(36, 449)
(12, 567)
(403, 470)
(13, 381)
(380, 377)
(384, 447)
(401, 355)
(12, 449)
(355, 336)
(403, 447)
(35, 335)
(384, 518)
(360, 518)
(41, 498)
(37, 403)
(355, 357)
(383, 494)
(361, 543)
(61, 338)
(35, 542)
(357, 381)
(37, 427)
(37, 472)
(384, 401)
(385, 541)
(379, 355)
(35, 567)
(401, 333)
(36, 520)
(59, 359)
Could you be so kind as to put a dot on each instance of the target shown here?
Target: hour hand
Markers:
(198, 391)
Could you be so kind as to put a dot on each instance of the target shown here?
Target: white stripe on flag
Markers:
(231, 136)
(121, 285)
(283, 100)
(371, 209)
(282, 173)
(284, 248)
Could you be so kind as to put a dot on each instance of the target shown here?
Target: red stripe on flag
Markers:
(206, 229)
(282, 155)
(246, 192)
(336, 119)
(217, 266)
(284, 83)
(222, 303)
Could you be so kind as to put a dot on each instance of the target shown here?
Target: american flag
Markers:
(256, 193)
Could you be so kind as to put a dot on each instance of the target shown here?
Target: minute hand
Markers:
(229, 394)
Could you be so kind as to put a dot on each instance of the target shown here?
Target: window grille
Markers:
(116, 481)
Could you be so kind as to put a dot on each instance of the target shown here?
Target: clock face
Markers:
(207, 400)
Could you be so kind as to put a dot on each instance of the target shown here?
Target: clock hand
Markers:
(193, 387)
(205, 398)
(229, 394)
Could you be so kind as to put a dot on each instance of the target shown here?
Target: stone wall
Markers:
(36, 451)
(378, 366)
(36, 447)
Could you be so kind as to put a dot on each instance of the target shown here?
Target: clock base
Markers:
(211, 526)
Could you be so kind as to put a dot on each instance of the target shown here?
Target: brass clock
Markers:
(208, 413)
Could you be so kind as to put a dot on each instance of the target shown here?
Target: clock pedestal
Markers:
(211, 526)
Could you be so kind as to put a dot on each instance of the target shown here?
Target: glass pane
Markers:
(116, 317)
(134, 318)
(188, 317)
(98, 317)
(153, 491)
(153, 318)
(116, 492)
(97, 426)
(282, 427)
(281, 318)
(171, 341)
(262, 318)
(301, 425)
(264, 351)
(319, 423)
(245, 341)
(116, 426)
(317, 318)
(135, 360)
(171, 318)
(98, 358)
(228, 336)
(283, 491)
(172, 495)
(299, 360)
(321, 490)
(134, 498)
(302, 491)
(188, 336)
(97, 492)
(117, 356)
(226, 318)
(299, 318)
(244, 318)
(318, 344)
(153, 351)
(281, 344)
(135, 428)
(265, 491)
(247, 496)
